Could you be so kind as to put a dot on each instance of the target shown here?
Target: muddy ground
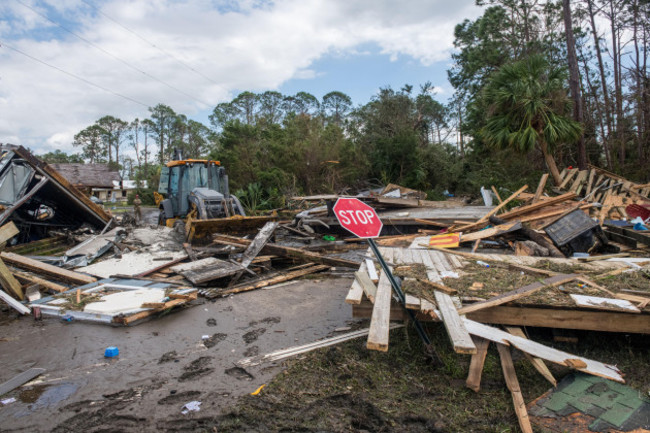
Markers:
(190, 355)
(163, 364)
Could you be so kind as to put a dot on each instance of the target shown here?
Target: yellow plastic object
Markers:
(258, 390)
(158, 198)
(191, 161)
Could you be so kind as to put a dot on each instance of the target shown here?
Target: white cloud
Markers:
(247, 45)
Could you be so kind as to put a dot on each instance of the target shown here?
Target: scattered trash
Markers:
(482, 263)
(111, 352)
(192, 406)
(258, 390)
(7, 401)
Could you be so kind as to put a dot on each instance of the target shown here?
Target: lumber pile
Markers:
(468, 311)
(592, 213)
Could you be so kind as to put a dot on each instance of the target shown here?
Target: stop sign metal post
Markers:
(362, 221)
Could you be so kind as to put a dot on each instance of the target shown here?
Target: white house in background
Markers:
(98, 180)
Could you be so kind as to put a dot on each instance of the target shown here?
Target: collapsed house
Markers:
(38, 199)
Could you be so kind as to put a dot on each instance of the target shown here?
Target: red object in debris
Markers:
(635, 210)
(570, 167)
(357, 217)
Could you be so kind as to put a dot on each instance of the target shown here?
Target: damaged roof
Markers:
(89, 175)
(38, 198)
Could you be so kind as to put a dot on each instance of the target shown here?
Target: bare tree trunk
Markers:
(618, 92)
(574, 81)
(639, 85)
(550, 163)
(603, 81)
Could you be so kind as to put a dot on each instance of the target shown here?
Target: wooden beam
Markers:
(473, 381)
(568, 178)
(565, 318)
(10, 283)
(519, 293)
(536, 362)
(8, 231)
(380, 320)
(274, 279)
(45, 269)
(493, 231)
(533, 207)
(458, 335)
(540, 188)
(513, 385)
(368, 287)
(438, 286)
(296, 253)
(539, 350)
(496, 209)
(496, 193)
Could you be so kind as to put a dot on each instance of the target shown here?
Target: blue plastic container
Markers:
(111, 352)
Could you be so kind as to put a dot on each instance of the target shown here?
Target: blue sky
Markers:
(193, 54)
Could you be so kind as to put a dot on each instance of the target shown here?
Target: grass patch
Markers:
(348, 388)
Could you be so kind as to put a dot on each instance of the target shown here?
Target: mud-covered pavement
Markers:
(164, 363)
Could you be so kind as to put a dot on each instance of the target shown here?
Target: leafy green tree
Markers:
(90, 140)
(529, 108)
(162, 124)
(270, 107)
(59, 157)
(113, 133)
(336, 105)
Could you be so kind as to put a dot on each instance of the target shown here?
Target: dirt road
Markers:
(164, 363)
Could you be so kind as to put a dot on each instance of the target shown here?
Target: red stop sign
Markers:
(357, 217)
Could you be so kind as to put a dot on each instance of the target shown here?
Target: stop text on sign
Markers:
(357, 217)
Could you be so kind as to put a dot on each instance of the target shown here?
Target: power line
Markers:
(111, 55)
(167, 53)
(2, 44)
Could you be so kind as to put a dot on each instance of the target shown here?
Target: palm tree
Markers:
(528, 107)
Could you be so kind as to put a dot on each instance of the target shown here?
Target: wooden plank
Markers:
(493, 231)
(607, 304)
(568, 178)
(380, 320)
(540, 188)
(519, 293)
(372, 271)
(8, 231)
(355, 294)
(9, 282)
(275, 279)
(513, 385)
(440, 287)
(159, 306)
(33, 279)
(296, 253)
(473, 381)
(428, 308)
(366, 284)
(458, 335)
(580, 180)
(258, 243)
(13, 303)
(536, 362)
(20, 380)
(496, 193)
(539, 350)
(496, 209)
(534, 207)
(602, 321)
(46, 269)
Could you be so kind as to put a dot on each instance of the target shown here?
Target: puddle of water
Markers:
(43, 396)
